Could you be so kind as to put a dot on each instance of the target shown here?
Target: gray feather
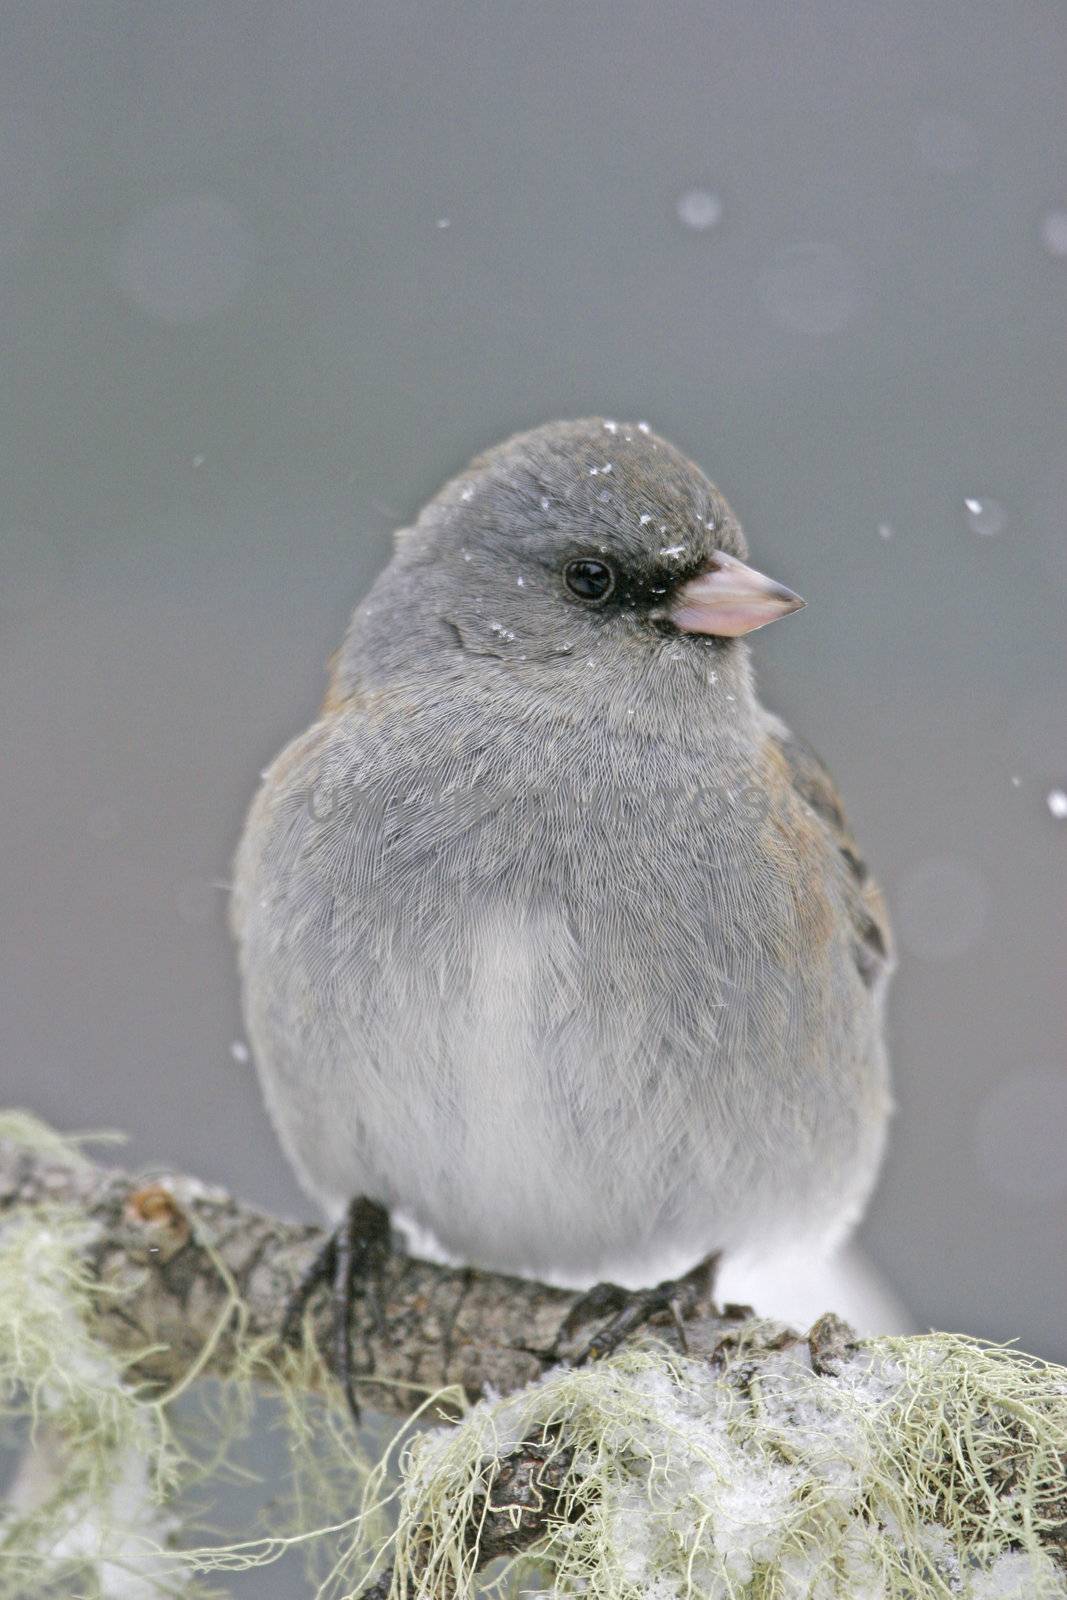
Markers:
(544, 942)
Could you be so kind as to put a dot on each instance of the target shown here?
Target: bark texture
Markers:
(203, 1280)
(181, 1251)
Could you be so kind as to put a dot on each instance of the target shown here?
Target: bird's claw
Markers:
(627, 1310)
(350, 1264)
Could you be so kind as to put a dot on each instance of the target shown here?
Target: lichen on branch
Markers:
(728, 1458)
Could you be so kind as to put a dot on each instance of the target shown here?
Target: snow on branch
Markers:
(726, 1457)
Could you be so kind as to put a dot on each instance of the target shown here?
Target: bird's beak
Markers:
(729, 599)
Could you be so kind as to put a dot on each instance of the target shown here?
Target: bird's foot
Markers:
(349, 1264)
(626, 1310)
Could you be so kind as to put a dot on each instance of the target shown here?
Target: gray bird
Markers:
(554, 942)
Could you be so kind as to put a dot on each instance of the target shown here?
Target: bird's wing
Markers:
(866, 907)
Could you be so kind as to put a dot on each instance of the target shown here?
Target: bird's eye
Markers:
(589, 579)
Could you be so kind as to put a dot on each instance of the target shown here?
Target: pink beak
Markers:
(730, 599)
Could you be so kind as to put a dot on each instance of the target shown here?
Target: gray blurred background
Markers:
(270, 271)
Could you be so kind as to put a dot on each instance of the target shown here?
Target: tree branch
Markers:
(859, 1443)
(198, 1270)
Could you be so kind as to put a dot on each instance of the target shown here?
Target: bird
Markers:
(555, 945)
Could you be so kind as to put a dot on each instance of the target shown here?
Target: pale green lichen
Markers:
(89, 1504)
(925, 1467)
(115, 1477)
(22, 1127)
(919, 1469)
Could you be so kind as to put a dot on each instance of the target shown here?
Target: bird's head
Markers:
(593, 541)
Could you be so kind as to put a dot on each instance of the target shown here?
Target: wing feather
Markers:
(873, 947)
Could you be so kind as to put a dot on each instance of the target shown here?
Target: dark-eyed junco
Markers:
(555, 942)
